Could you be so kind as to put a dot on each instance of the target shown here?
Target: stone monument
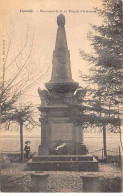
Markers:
(61, 139)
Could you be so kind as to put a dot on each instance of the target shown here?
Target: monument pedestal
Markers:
(91, 183)
(39, 181)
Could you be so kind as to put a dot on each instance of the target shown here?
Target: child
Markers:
(27, 149)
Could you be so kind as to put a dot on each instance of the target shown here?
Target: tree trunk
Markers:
(21, 140)
(104, 141)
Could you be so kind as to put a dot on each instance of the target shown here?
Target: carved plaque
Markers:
(61, 131)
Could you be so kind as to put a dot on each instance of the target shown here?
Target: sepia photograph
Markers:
(61, 96)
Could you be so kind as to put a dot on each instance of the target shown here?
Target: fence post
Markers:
(102, 153)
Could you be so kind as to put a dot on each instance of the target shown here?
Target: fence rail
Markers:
(96, 150)
(102, 150)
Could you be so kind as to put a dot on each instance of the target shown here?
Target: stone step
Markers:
(63, 165)
(62, 158)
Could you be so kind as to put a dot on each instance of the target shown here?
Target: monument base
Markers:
(63, 163)
(81, 149)
(69, 149)
(43, 149)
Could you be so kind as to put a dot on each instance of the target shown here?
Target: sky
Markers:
(41, 26)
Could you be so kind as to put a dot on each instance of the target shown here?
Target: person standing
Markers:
(27, 149)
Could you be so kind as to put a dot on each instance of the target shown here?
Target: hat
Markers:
(27, 142)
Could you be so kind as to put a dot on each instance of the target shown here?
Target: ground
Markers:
(15, 178)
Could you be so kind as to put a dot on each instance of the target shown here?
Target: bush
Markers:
(110, 184)
(114, 159)
(5, 161)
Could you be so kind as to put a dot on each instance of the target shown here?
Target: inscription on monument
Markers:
(61, 131)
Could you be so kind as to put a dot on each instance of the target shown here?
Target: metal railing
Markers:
(102, 152)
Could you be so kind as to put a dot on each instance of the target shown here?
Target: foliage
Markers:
(107, 64)
(7, 102)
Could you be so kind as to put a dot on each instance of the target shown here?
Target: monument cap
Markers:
(61, 20)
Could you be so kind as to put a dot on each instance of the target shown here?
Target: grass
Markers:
(93, 144)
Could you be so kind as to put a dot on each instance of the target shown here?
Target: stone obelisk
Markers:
(61, 79)
(56, 125)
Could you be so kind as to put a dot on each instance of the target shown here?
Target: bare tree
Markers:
(17, 75)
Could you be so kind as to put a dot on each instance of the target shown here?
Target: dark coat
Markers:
(27, 148)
